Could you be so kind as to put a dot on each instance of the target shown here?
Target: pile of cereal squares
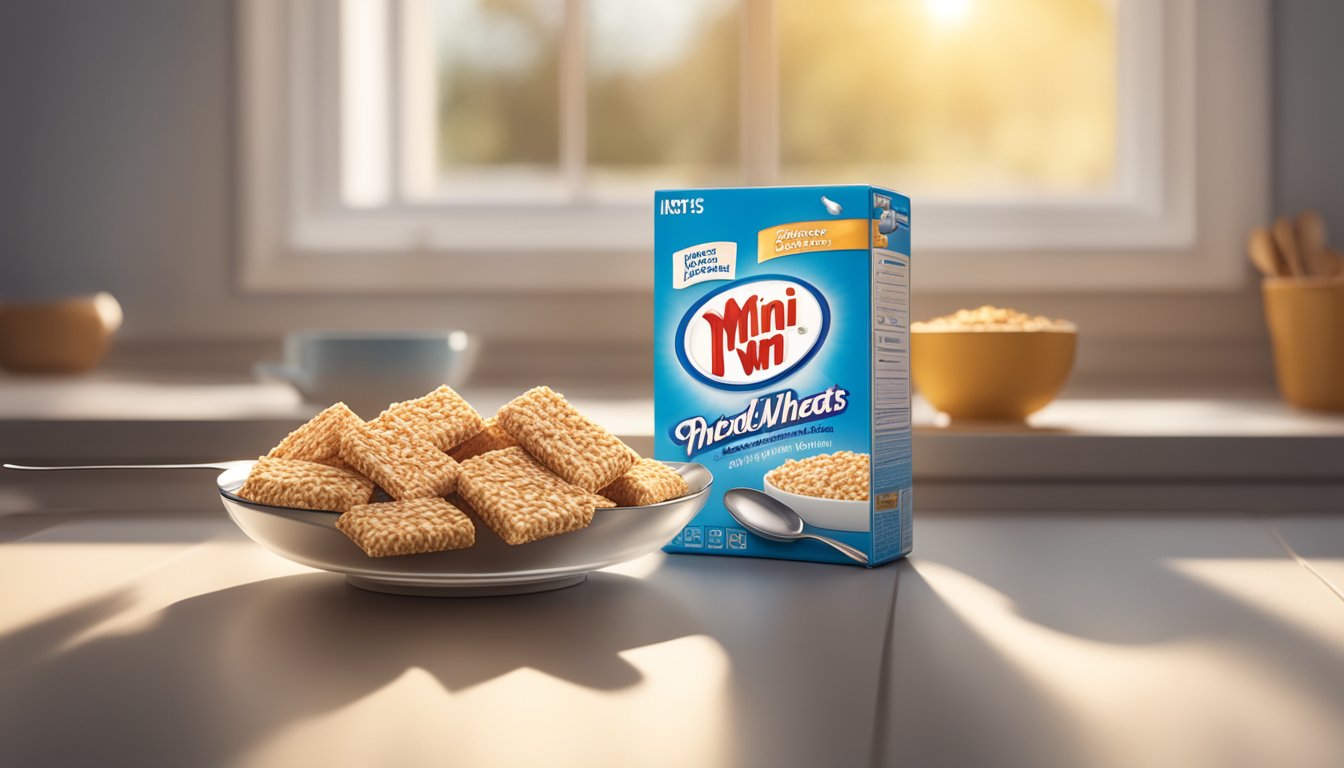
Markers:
(538, 468)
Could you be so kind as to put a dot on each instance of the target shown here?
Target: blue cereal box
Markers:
(782, 363)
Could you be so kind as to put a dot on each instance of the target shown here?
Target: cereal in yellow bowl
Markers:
(991, 363)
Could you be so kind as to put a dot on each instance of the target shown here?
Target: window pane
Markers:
(498, 87)
(949, 96)
(662, 92)
(365, 144)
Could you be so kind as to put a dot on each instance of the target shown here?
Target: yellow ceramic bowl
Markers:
(991, 375)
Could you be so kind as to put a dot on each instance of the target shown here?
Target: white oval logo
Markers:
(752, 332)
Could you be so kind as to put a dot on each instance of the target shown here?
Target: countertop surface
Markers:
(1141, 581)
(166, 638)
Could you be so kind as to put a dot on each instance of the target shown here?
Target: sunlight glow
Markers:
(1224, 641)
(991, 99)
(947, 11)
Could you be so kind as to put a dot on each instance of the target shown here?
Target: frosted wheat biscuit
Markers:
(521, 500)
(566, 441)
(843, 475)
(441, 418)
(491, 438)
(304, 485)
(319, 440)
(407, 527)
(648, 482)
(399, 461)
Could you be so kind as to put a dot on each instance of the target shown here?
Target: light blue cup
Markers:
(369, 369)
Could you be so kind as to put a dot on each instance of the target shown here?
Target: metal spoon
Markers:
(207, 465)
(234, 472)
(772, 519)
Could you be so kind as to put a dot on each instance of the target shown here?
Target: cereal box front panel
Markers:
(775, 367)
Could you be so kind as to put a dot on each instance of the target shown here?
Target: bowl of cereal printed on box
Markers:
(829, 490)
(991, 363)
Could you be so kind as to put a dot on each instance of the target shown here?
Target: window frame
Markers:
(1184, 197)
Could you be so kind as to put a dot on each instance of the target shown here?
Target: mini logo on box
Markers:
(752, 333)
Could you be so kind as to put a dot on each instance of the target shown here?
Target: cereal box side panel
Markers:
(763, 352)
(892, 486)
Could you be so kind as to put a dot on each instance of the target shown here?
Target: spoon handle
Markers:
(856, 555)
(218, 465)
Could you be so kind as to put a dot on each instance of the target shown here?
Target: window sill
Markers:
(1131, 442)
(1126, 450)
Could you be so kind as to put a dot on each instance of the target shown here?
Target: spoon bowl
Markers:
(772, 519)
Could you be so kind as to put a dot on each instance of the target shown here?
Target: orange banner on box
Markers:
(811, 237)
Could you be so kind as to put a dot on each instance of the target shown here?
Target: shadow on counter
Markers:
(215, 675)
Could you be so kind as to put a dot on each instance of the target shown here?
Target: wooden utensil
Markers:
(1285, 239)
(1311, 236)
(1260, 247)
(1333, 263)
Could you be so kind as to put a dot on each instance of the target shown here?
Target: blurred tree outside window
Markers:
(613, 98)
(949, 96)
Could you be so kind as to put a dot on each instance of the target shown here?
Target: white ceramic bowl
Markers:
(835, 514)
(367, 370)
(490, 567)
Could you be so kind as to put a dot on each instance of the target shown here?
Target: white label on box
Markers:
(706, 261)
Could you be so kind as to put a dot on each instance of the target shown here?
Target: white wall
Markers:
(118, 146)
(116, 173)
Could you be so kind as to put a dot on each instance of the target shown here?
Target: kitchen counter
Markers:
(166, 638)
(1125, 581)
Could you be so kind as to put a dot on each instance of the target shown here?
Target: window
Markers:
(514, 144)
(540, 100)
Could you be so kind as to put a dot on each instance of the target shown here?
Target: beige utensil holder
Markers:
(1306, 325)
